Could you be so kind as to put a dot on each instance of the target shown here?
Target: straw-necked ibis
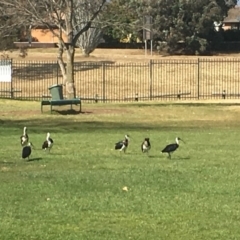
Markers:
(24, 138)
(172, 147)
(146, 146)
(123, 144)
(27, 150)
(48, 143)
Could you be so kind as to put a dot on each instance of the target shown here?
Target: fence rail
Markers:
(203, 78)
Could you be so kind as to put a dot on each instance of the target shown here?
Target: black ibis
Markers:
(27, 150)
(123, 144)
(48, 143)
(24, 138)
(146, 146)
(172, 147)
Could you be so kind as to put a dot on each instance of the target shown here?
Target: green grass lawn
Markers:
(75, 192)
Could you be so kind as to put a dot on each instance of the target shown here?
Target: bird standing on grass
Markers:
(48, 143)
(146, 146)
(24, 138)
(172, 147)
(123, 144)
(27, 150)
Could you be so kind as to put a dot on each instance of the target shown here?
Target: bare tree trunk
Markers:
(69, 81)
(60, 60)
(70, 51)
(85, 52)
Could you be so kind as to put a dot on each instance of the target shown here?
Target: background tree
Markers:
(120, 16)
(52, 14)
(11, 34)
(91, 38)
(184, 21)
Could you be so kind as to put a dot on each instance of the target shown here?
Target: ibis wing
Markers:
(142, 146)
(119, 145)
(26, 152)
(170, 148)
(45, 145)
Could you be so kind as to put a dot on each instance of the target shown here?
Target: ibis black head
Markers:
(179, 139)
(127, 136)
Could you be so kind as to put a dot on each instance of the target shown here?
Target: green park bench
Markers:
(58, 100)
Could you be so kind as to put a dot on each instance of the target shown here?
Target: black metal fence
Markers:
(169, 79)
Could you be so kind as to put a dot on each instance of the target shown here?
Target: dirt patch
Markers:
(4, 169)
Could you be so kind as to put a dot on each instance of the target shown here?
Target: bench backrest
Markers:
(56, 92)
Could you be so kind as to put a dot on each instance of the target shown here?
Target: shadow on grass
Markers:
(184, 158)
(34, 159)
(177, 158)
(67, 112)
(6, 163)
(56, 112)
(192, 104)
(30, 70)
(154, 156)
(67, 125)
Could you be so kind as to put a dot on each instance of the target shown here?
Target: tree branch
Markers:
(88, 24)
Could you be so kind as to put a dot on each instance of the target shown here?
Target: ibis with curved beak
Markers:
(172, 147)
(146, 146)
(123, 144)
(27, 150)
(48, 143)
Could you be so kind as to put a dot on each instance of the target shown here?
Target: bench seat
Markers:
(61, 102)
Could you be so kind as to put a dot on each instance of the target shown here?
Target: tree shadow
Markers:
(43, 70)
(91, 65)
(190, 104)
(64, 125)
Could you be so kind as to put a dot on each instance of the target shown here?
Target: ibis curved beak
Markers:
(182, 141)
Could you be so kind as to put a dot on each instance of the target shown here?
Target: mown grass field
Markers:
(76, 191)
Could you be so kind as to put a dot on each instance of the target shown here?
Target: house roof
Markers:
(233, 15)
(231, 21)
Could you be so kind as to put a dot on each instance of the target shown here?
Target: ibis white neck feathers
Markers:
(177, 140)
(48, 136)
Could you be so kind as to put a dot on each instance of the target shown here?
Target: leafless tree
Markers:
(52, 14)
(90, 39)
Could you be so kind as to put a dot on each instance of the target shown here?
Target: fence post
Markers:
(198, 78)
(104, 83)
(12, 86)
(150, 78)
(57, 71)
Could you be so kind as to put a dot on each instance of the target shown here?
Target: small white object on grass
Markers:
(125, 189)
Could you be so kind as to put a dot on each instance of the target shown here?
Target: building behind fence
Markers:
(109, 81)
